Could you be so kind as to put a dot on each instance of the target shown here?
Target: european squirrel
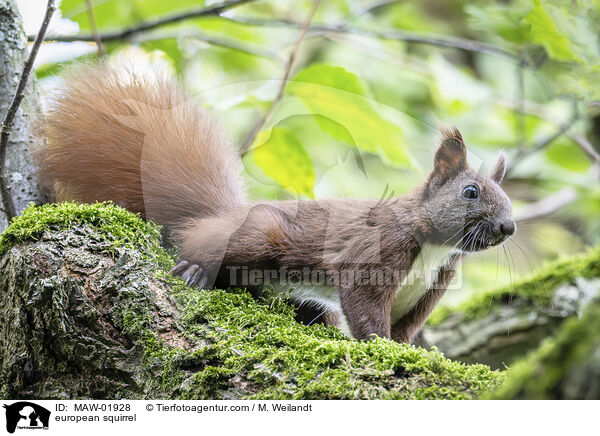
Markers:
(137, 140)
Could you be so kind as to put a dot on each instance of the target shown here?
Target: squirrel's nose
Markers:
(504, 228)
(508, 227)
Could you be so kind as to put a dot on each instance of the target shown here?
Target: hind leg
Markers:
(219, 246)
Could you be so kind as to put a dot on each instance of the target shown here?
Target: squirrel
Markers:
(136, 139)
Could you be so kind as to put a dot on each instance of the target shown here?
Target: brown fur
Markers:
(139, 141)
(135, 138)
(243, 237)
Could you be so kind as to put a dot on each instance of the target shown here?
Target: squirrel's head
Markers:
(466, 209)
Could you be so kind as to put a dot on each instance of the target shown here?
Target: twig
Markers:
(521, 153)
(451, 42)
(520, 115)
(267, 116)
(230, 44)
(547, 206)
(585, 145)
(377, 5)
(214, 10)
(440, 41)
(7, 124)
(95, 34)
(538, 112)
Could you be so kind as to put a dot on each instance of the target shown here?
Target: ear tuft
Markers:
(499, 169)
(450, 133)
(451, 156)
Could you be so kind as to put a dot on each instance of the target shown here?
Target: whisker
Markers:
(497, 266)
(471, 240)
(510, 273)
(535, 269)
(448, 240)
(317, 317)
(459, 241)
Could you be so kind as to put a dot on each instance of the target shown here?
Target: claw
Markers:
(198, 277)
(187, 276)
(179, 268)
(191, 274)
(203, 281)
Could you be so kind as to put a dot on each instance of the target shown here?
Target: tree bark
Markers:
(565, 367)
(67, 303)
(20, 170)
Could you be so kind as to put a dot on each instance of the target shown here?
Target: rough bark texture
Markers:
(504, 325)
(90, 313)
(566, 366)
(66, 301)
(61, 328)
(22, 175)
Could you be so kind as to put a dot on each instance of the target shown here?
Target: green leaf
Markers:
(170, 47)
(580, 81)
(283, 158)
(545, 31)
(337, 99)
(334, 77)
(113, 14)
(567, 155)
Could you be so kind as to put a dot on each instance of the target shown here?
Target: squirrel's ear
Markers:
(499, 169)
(451, 157)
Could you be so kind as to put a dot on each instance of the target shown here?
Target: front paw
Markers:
(192, 274)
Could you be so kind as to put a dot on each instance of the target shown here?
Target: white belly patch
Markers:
(420, 279)
(417, 282)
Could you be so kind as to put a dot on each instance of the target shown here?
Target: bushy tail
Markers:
(136, 139)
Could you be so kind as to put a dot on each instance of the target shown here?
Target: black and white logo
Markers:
(26, 415)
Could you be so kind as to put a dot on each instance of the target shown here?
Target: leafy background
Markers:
(371, 84)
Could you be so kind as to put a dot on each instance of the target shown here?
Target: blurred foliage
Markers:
(364, 104)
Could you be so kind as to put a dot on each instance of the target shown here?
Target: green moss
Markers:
(257, 344)
(562, 367)
(113, 224)
(537, 289)
(233, 345)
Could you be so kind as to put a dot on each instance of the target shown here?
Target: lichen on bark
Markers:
(21, 173)
(91, 313)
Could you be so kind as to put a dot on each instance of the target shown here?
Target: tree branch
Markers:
(585, 145)
(7, 124)
(523, 152)
(95, 34)
(581, 141)
(396, 35)
(520, 115)
(230, 44)
(547, 206)
(214, 10)
(265, 118)
(375, 6)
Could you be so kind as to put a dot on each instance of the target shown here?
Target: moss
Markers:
(257, 346)
(564, 366)
(232, 345)
(114, 224)
(537, 289)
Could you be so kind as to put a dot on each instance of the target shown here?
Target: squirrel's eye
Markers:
(470, 192)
